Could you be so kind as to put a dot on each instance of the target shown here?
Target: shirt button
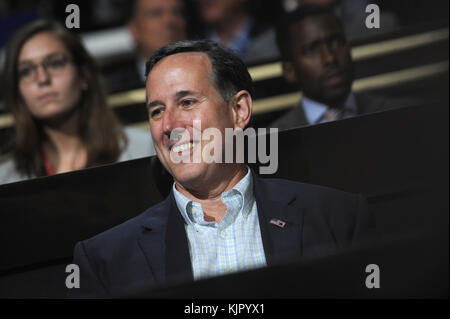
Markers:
(223, 233)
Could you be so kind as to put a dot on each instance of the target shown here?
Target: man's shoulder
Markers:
(129, 230)
(292, 118)
(343, 214)
(279, 189)
(368, 102)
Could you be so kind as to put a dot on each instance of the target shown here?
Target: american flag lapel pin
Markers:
(277, 222)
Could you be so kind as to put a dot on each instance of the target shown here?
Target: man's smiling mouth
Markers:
(184, 147)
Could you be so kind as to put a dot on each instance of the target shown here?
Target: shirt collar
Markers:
(242, 191)
(315, 111)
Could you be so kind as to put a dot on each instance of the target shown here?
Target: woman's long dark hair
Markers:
(100, 131)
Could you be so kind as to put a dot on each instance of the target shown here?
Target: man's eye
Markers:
(188, 103)
(155, 13)
(24, 72)
(311, 49)
(155, 112)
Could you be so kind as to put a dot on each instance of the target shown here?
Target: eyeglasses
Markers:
(52, 65)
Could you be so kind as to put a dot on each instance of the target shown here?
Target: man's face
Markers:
(157, 23)
(321, 59)
(179, 91)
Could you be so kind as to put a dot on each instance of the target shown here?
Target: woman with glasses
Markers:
(62, 122)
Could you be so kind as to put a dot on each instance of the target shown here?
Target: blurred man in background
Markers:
(153, 24)
(231, 23)
(317, 57)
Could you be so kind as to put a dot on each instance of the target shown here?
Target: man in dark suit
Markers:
(219, 217)
(316, 56)
(152, 24)
(233, 24)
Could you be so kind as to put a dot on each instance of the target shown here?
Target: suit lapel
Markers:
(301, 115)
(279, 242)
(178, 262)
(293, 118)
(164, 243)
(151, 240)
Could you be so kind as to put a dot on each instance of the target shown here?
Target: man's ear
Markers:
(289, 72)
(242, 109)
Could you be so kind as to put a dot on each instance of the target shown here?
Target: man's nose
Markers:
(170, 121)
(328, 54)
(42, 75)
(170, 18)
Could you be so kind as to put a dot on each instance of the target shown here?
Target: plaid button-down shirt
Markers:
(235, 243)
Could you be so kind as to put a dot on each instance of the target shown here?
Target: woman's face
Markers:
(49, 82)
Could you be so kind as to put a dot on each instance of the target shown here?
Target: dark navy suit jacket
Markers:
(152, 248)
